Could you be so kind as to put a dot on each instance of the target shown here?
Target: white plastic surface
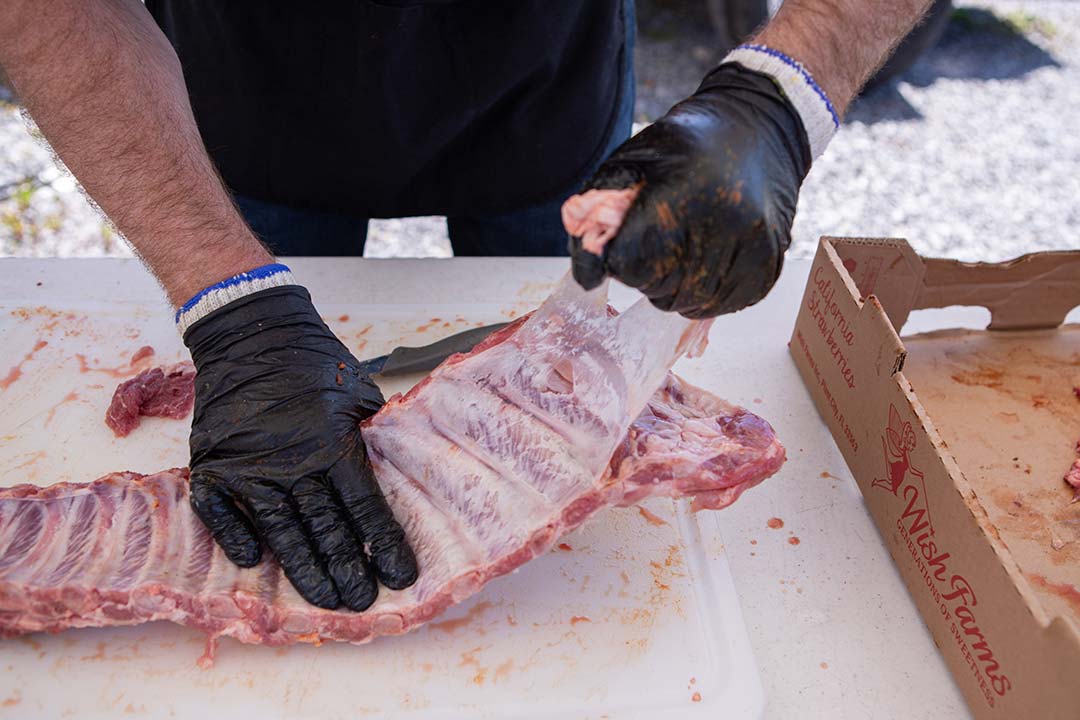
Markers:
(635, 615)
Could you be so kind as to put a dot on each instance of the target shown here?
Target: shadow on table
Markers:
(977, 45)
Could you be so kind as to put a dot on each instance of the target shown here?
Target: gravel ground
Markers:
(972, 154)
(975, 154)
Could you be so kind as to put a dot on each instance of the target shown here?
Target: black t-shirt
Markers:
(383, 109)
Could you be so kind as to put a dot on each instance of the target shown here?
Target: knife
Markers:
(402, 360)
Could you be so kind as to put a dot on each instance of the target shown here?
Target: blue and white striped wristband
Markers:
(221, 294)
(818, 115)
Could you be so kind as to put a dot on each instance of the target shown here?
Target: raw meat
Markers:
(176, 397)
(595, 216)
(1072, 477)
(159, 392)
(486, 463)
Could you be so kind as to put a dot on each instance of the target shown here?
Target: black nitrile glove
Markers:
(276, 453)
(720, 176)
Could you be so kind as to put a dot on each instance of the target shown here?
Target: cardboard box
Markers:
(959, 441)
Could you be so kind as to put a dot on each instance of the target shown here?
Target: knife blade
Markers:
(405, 359)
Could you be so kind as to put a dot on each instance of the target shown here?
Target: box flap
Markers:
(1030, 292)
(1033, 291)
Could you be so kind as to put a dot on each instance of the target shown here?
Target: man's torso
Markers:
(378, 110)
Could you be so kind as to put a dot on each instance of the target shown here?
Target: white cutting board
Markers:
(631, 617)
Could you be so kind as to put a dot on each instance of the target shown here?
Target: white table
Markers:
(834, 631)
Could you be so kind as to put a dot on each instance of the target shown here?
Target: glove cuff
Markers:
(818, 116)
(221, 294)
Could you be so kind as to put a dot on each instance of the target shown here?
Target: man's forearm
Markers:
(107, 91)
(841, 42)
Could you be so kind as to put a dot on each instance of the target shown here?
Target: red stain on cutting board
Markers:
(144, 352)
(32, 459)
(52, 318)
(428, 325)
(450, 626)
(469, 658)
(16, 371)
(650, 517)
(70, 397)
(503, 670)
(775, 523)
(119, 371)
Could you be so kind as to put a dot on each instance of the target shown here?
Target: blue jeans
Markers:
(531, 231)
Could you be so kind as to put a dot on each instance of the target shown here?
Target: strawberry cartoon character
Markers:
(901, 441)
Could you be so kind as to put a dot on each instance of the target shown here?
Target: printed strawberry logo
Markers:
(897, 444)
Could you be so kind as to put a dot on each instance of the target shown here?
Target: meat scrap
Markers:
(1072, 476)
(486, 463)
(167, 392)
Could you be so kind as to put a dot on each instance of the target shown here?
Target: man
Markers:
(490, 112)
